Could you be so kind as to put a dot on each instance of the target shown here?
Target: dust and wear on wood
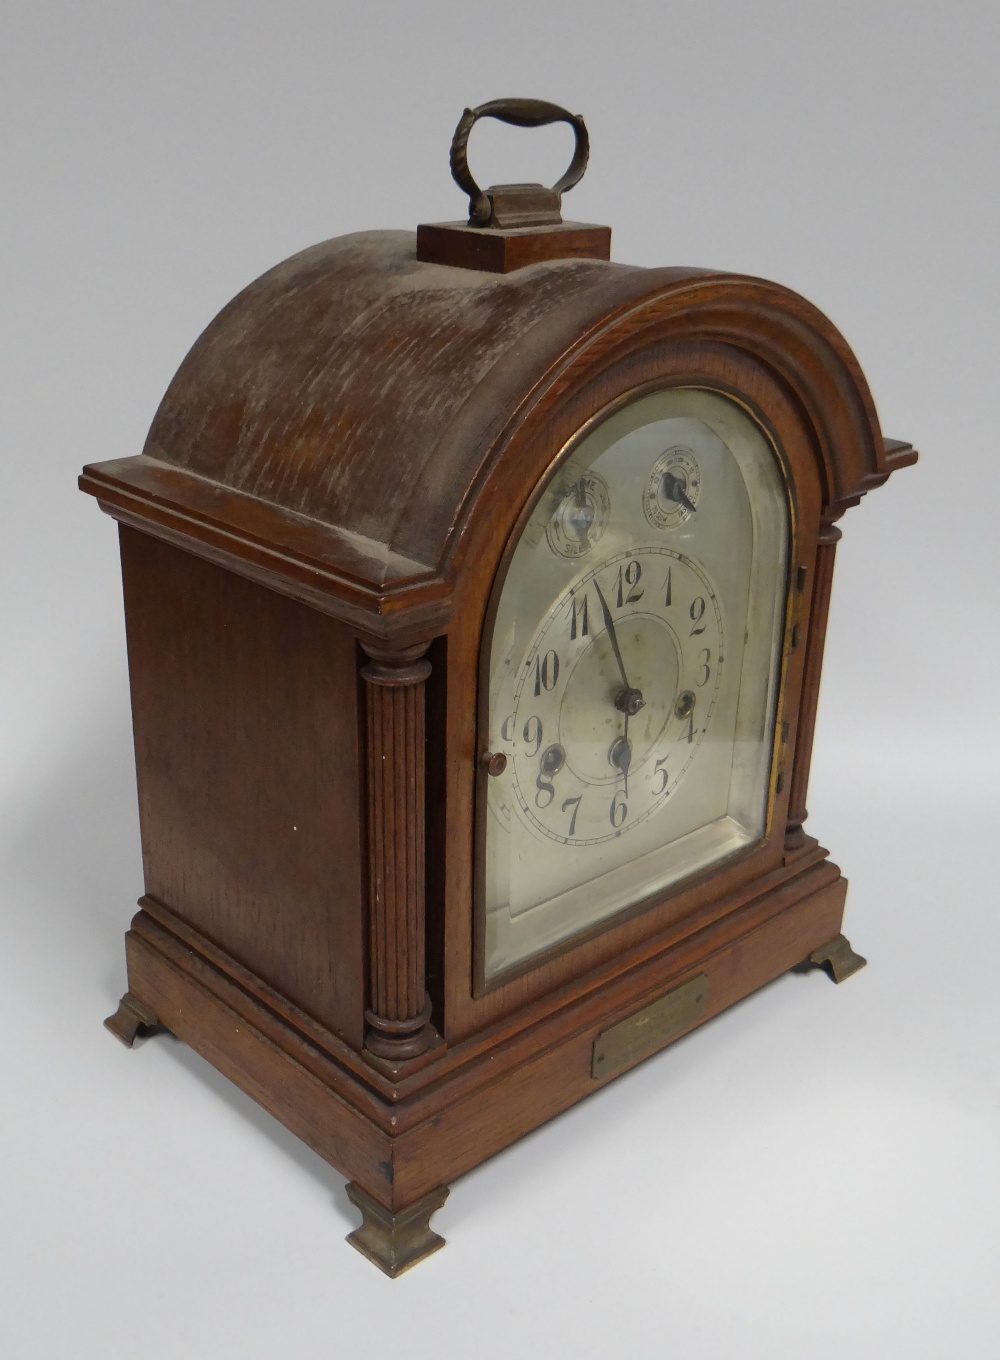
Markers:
(311, 541)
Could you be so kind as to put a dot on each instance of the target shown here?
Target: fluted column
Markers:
(829, 537)
(399, 1008)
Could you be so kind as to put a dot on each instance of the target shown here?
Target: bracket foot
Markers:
(395, 1241)
(129, 1018)
(838, 958)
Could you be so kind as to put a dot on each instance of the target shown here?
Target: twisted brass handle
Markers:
(520, 113)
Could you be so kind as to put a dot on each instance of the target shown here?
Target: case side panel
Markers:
(245, 718)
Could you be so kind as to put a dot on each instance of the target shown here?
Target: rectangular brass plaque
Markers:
(643, 1033)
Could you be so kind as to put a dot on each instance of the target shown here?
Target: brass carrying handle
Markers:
(521, 113)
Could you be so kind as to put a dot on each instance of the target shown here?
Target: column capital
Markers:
(395, 666)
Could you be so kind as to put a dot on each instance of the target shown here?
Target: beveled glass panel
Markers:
(633, 669)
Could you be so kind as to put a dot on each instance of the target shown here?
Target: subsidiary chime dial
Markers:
(673, 489)
(633, 669)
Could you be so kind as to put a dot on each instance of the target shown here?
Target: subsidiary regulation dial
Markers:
(580, 517)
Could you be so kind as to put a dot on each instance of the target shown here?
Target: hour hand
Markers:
(620, 756)
(674, 490)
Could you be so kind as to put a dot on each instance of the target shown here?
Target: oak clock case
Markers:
(476, 590)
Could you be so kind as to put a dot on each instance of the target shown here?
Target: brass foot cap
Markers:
(395, 1241)
(838, 958)
(131, 1016)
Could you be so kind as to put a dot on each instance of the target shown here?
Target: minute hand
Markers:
(631, 700)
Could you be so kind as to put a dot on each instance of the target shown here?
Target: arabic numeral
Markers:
(629, 590)
(697, 613)
(706, 669)
(532, 734)
(579, 623)
(668, 590)
(660, 771)
(573, 803)
(619, 810)
(545, 786)
(546, 672)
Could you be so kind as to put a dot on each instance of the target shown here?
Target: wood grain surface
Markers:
(413, 1136)
(399, 1008)
(334, 429)
(313, 544)
(244, 708)
(502, 251)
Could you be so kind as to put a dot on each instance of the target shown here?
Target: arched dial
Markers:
(585, 767)
(631, 667)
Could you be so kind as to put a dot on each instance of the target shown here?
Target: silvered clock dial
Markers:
(633, 669)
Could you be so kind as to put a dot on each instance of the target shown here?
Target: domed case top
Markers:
(332, 430)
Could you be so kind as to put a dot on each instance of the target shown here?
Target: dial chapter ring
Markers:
(532, 798)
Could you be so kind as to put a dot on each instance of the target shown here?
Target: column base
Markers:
(397, 1040)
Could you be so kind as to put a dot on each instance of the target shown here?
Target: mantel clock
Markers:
(476, 590)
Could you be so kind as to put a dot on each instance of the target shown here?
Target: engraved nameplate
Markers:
(643, 1033)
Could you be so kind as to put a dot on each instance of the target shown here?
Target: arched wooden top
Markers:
(330, 428)
(329, 386)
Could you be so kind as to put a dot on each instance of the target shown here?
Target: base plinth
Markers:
(399, 1135)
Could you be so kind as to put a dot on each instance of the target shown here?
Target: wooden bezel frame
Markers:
(481, 985)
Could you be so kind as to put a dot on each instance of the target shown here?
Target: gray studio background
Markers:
(815, 1174)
